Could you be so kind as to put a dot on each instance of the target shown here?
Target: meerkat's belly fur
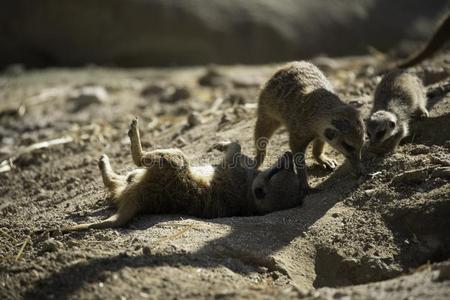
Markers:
(399, 98)
(300, 97)
(188, 192)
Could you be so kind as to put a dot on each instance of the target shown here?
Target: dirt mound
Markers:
(357, 238)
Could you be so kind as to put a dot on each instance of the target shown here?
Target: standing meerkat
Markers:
(300, 97)
(166, 183)
(399, 97)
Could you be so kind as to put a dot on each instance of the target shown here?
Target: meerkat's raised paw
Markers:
(103, 161)
(134, 125)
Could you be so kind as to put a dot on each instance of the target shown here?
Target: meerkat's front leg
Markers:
(298, 147)
(421, 113)
(136, 147)
(265, 127)
(320, 157)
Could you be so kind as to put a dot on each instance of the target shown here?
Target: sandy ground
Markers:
(383, 236)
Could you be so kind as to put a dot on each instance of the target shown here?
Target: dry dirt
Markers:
(384, 236)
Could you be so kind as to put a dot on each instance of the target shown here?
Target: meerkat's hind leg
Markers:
(112, 181)
(232, 151)
(136, 147)
(264, 129)
(320, 157)
(232, 154)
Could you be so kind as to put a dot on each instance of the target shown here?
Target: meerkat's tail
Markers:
(120, 218)
(264, 129)
(439, 38)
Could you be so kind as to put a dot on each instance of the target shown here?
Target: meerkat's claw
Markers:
(134, 122)
(103, 160)
(133, 126)
(327, 163)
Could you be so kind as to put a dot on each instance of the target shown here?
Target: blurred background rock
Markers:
(169, 32)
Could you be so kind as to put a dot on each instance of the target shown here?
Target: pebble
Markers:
(146, 250)
(420, 149)
(213, 78)
(174, 94)
(51, 245)
(152, 90)
(87, 96)
(194, 119)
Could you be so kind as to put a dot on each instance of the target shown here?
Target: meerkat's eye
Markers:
(380, 134)
(348, 147)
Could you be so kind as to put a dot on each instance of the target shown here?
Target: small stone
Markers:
(87, 96)
(43, 195)
(369, 192)
(146, 250)
(213, 78)
(174, 94)
(194, 119)
(180, 142)
(420, 149)
(152, 90)
(413, 176)
(440, 161)
(51, 245)
(72, 243)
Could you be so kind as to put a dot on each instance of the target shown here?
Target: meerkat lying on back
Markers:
(399, 97)
(166, 183)
(300, 97)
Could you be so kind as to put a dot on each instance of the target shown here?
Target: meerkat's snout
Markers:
(347, 136)
(381, 126)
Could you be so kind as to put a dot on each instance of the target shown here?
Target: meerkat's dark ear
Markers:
(330, 133)
(392, 124)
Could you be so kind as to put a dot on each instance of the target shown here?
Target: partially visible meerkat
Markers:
(399, 97)
(299, 97)
(440, 37)
(167, 183)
